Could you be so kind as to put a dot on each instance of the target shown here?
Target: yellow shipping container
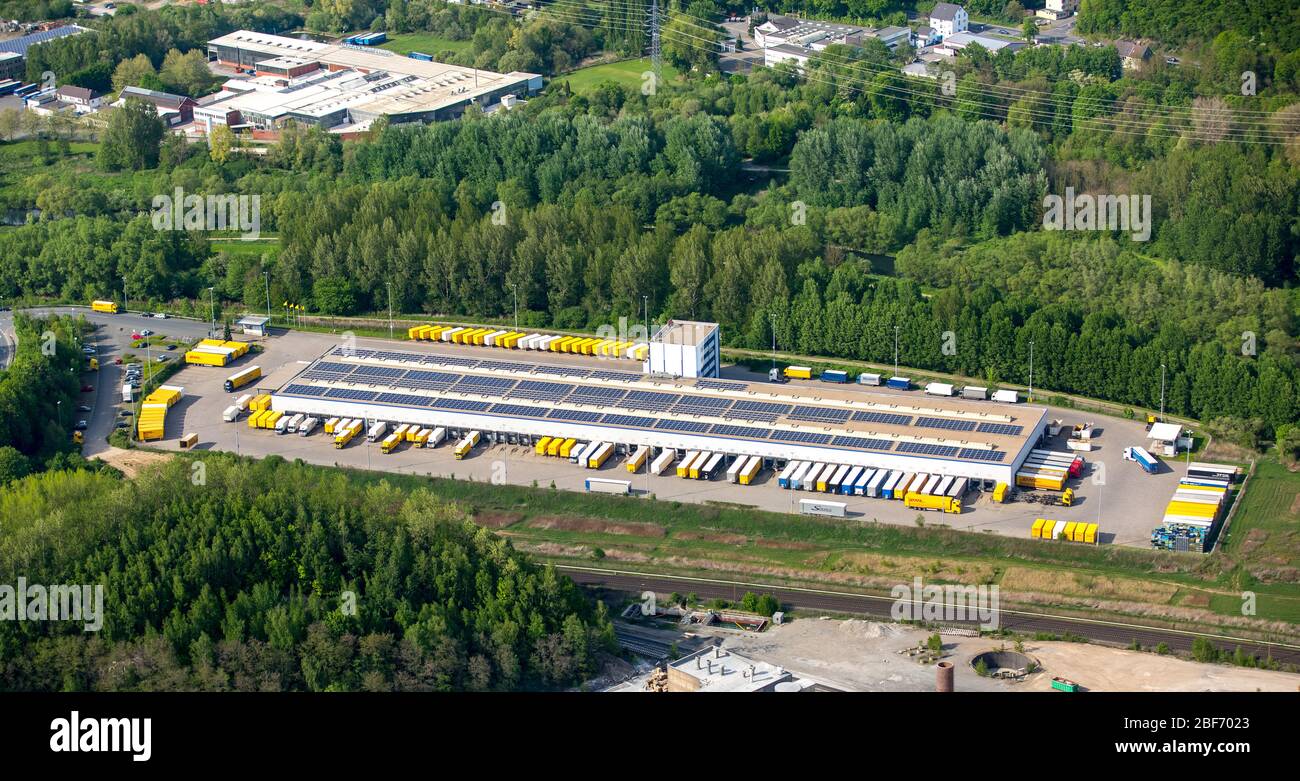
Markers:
(541, 446)
(1037, 531)
(553, 449)
(201, 358)
(1090, 534)
(1069, 530)
(567, 447)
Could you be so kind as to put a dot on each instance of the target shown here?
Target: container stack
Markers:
(153, 411)
(1191, 513)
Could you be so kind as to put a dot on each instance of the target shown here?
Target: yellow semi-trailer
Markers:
(542, 444)
(684, 467)
(637, 458)
(330, 423)
(465, 445)
(597, 459)
(751, 470)
(206, 358)
(107, 307)
(390, 443)
(422, 437)
(798, 372)
(272, 417)
(345, 436)
(252, 418)
(566, 447)
(919, 501)
(241, 378)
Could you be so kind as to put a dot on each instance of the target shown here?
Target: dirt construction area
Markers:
(1126, 501)
(858, 655)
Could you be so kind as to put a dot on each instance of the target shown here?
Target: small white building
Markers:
(82, 99)
(775, 55)
(947, 19)
(685, 348)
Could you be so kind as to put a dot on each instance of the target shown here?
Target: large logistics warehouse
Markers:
(522, 401)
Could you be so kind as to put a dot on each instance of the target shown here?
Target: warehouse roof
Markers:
(595, 393)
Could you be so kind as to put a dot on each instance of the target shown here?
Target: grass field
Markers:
(428, 43)
(1266, 529)
(627, 73)
(733, 541)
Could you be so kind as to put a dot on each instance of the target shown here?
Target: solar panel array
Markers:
(819, 414)
(863, 443)
(948, 424)
(888, 418)
(976, 454)
(430, 377)
(1000, 428)
(802, 437)
(926, 449)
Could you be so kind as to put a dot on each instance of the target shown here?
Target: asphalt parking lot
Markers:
(1118, 495)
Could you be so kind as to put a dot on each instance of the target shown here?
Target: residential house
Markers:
(1132, 54)
(948, 19)
(82, 99)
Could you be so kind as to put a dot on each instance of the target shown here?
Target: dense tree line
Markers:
(1272, 21)
(240, 583)
(38, 395)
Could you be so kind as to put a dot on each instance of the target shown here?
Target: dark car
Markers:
(83, 408)
(122, 424)
(171, 347)
(81, 425)
(126, 413)
(87, 388)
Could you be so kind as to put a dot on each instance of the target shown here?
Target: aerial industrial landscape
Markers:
(642, 347)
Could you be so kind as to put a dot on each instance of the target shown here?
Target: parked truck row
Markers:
(841, 377)
(917, 490)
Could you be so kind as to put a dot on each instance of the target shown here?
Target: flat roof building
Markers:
(338, 85)
(583, 398)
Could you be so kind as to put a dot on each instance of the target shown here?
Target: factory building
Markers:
(345, 88)
(572, 397)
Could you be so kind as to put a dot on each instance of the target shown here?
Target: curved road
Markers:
(1024, 622)
(109, 340)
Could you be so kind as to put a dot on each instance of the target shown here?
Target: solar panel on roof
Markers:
(539, 390)
(926, 449)
(946, 423)
(694, 405)
(304, 390)
(721, 385)
(495, 386)
(650, 401)
(467, 405)
(863, 443)
(406, 399)
(351, 394)
(377, 372)
(728, 430)
(810, 437)
(521, 410)
(1000, 428)
(445, 378)
(976, 454)
(888, 418)
(603, 374)
(635, 421)
(692, 426)
(588, 395)
(584, 416)
(819, 414)
(505, 366)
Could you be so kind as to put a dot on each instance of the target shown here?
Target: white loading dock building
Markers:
(521, 402)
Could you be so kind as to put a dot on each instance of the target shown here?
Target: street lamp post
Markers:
(1162, 393)
(266, 277)
(389, 285)
(125, 308)
(772, 318)
(514, 289)
(212, 306)
(895, 351)
(1031, 371)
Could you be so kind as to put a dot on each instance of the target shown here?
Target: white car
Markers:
(160, 315)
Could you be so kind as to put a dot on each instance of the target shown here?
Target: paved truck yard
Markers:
(1125, 501)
